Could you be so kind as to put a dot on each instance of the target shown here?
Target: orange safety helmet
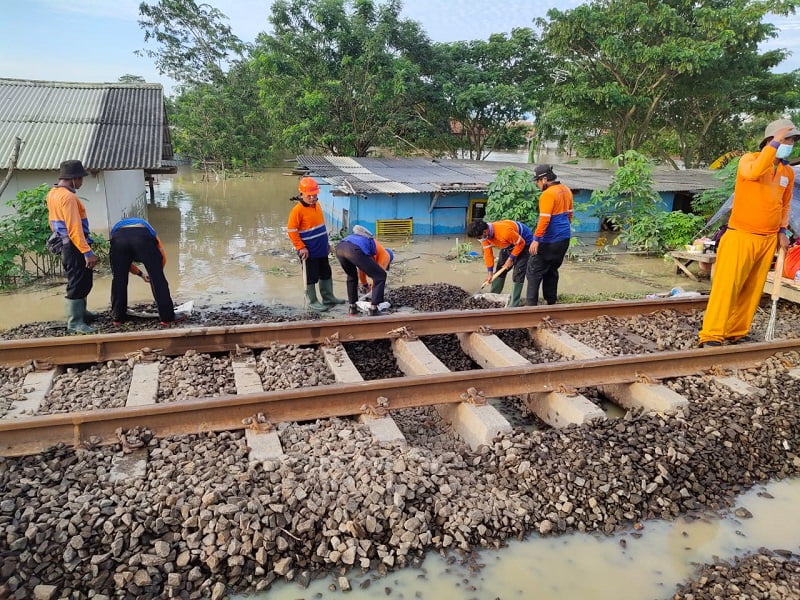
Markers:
(308, 186)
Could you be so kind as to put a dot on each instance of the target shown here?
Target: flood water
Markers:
(226, 242)
(586, 567)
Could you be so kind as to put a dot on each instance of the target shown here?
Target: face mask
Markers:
(784, 150)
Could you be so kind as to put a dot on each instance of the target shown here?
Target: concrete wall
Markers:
(125, 195)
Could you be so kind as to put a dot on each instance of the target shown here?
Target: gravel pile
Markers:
(768, 575)
(288, 367)
(99, 386)
(195, 375)
(202, 522)
(203, 316)
(434, 298)
(11, 386)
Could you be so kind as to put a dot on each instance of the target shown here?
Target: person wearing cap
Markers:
(136, 240)
(512, 237)
(757, 226)
(358, 253)
(307, 231)
(67, 217)
(551, 236)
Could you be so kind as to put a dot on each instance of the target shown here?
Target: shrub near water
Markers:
(23, 256)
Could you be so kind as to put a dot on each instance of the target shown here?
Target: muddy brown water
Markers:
(226, 242)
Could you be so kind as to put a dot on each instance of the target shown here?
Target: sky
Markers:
(95, 40)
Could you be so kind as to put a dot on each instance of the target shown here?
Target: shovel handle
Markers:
(776, 280)
(500, 271)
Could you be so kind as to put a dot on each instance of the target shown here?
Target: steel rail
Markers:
(35, 434)
(174, 342)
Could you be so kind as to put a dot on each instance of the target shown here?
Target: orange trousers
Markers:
(743, 261)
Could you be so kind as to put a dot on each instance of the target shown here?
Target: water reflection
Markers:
(622, 567)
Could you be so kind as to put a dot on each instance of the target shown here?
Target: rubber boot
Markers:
(516, 292)
(313, 302)
(326, 291)
(88, 316)
(497, 285)
(75, 322)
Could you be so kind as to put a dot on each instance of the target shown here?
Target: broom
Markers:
(776, 294)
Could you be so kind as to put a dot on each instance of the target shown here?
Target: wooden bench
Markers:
(789, 289)
(683, 259)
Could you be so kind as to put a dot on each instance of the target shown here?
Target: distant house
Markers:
(433, 197)
(118, 130)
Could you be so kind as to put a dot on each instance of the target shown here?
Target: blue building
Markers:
(423, 196)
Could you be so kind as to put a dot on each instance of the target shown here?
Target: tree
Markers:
(487, 85)
(195, 43)
(629, 61)
(223, 125)
(339, 76)
(513, 195)
(128, 78)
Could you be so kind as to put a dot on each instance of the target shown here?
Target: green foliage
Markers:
(635, 69)
(339, 76)
(461, 253)
(484, 86)
(194, 42)
(23, 255)
(630, 197)
(662, 231)
(708, 202)
(513, 195)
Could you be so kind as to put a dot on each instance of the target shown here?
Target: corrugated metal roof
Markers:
(414, 175)
(108, 126)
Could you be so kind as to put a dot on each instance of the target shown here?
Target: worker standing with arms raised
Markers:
(307, 231)
(67, 217)
(551, 236)
(756, 228)
(513, 236)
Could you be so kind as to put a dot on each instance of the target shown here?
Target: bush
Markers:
(662, 232)
(513, 195)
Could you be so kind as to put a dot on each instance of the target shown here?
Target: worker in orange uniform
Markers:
(307, 231)
(512, 236)
(756, 228)
(67, 217)
(384, 257)
(359, 254)
(551, 236)
(135, 240)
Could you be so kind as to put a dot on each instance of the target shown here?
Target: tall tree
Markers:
(338, 75)
(487, 85)
(194, 43)
(626, 59)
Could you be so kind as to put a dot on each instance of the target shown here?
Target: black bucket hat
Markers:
(72, 169)
(542, 170)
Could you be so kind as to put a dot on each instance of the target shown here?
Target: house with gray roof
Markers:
(432, 196)
(119, 131)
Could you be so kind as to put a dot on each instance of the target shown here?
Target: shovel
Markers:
(500, 271)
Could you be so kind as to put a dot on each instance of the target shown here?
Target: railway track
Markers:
(549, 389)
